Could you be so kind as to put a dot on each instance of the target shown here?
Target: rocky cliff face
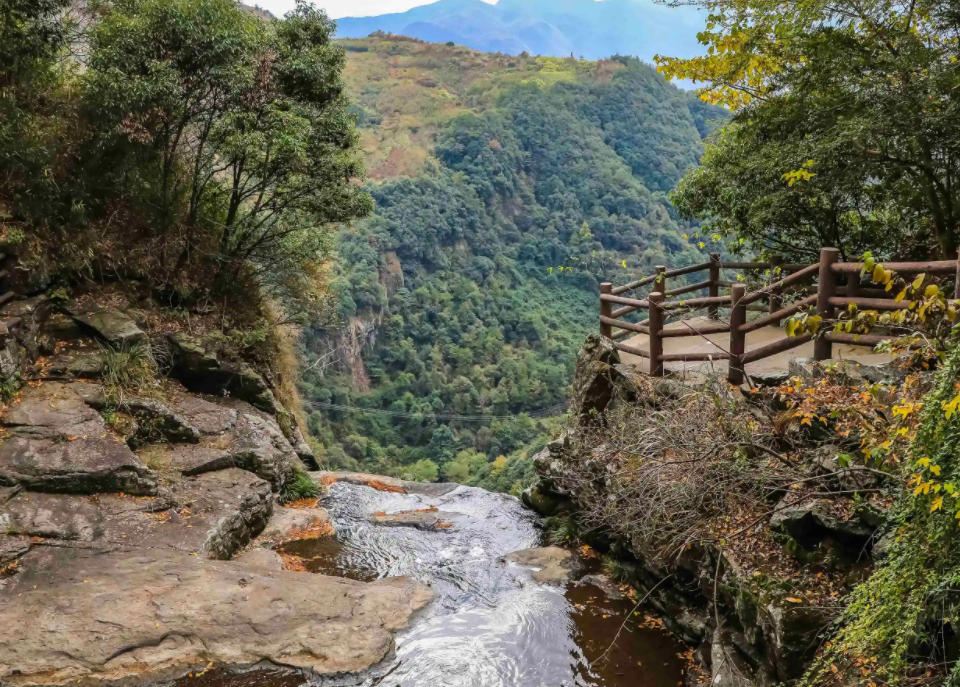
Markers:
(122, 516)
(756, 610)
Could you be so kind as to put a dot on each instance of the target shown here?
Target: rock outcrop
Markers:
(129, 522)
(765, 635)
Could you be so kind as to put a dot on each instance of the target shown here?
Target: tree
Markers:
(847, 128)
(232, 134)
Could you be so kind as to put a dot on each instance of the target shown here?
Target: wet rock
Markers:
(382, 483)
(293, 523)
(539, 499)
(112, 326)
(137, 618)
(258, 558)
(427, 519)
(57, 328)
(12, 548)
(51, 516)
(302, 448)
(604, 584)
(261, 448)
(548, 565)
(81, 466)
(197, 365)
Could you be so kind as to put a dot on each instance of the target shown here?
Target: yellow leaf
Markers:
(794, 600)
(918, 282)
(936, 504)
(624, 263)
(931, 291)
(877, 275)
(935, 469)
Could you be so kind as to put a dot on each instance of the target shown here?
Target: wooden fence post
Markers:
(775, 301)
(738, 340)
(656, 327)
(713, 312)
(606, 310)
(826, 289)
(661, 283)
(956, 286)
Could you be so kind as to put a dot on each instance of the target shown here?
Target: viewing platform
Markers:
(730, 338)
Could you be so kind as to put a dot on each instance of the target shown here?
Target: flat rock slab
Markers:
(110, 325)
(79, 466)
(186, 459)
(294, 523)
(128, 616)
(59, 444)
(548, 565)
(385, 483)
(429, 519)
(212, 515)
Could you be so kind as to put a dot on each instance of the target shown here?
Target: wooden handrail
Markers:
(634, 285)
(695, 302)
(694, 357)
(935, 266)
(639, 328)
(689, 269)
(831, 291)
(777, 286)
(687, 289)
(625, 310)
(870, 303)
(627, 348)
(695, 330)
(762, 322)
(621, 300)
(776, 347)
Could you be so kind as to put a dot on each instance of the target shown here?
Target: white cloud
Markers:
(346, 8)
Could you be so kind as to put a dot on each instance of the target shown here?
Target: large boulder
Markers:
(547, 565)
(197, 365)
(134, 617)
(596, 377)
(110, 325)
(59, 444)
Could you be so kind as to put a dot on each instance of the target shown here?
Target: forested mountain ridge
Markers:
(505, 189)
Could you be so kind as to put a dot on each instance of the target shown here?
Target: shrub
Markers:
(300, 486)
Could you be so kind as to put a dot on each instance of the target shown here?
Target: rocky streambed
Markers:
(505, 612)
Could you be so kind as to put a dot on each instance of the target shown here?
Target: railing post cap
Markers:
(739, 288)
(655, 296)
(829, 251)
(606, 286)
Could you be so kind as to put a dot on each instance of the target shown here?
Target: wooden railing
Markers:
(824, 292)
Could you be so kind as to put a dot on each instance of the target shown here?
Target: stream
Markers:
(490, 624)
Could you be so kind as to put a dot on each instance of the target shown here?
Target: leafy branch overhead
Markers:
(864, 89)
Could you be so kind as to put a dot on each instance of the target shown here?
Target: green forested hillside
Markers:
(475, 281)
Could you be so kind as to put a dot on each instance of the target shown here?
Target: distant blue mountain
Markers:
(585, 28)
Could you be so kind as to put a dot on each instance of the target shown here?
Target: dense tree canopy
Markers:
(191, 137)
(846, 130)
(481, 273)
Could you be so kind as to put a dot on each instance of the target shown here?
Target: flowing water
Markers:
(490, 624)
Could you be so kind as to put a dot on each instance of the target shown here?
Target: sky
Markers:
(346, 8)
